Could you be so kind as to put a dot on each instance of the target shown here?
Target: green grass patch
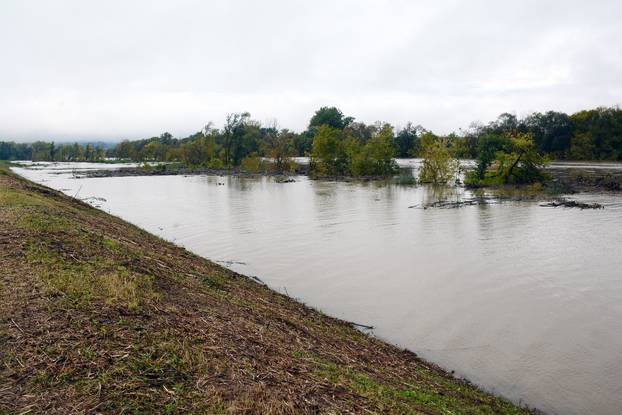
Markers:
(16, 199)
(113, 246)
(5, 165)
(432, 392)
(82, 282)
(214, 282)
(42, 222)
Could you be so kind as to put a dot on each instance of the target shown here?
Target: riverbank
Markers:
(100, 316)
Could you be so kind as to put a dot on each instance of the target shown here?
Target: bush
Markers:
(336, 153)
(146, 167)
(331, 153)
(438, 166)
(516, 162)
(252, 164)
(216, 164)
(375, 158)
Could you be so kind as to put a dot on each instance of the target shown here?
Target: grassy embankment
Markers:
(98, 316)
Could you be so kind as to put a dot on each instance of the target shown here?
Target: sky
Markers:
(86, 69)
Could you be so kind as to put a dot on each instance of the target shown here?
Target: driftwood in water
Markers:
(93, 198)
(572, 204)
(364, 326)
(257, 279)
(447, 204)
(280, 179)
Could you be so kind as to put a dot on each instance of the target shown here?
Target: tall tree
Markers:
(551, 131)
(330, 116)
(233, 131)
(406, 140)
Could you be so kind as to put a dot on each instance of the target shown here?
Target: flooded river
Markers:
(524, 300)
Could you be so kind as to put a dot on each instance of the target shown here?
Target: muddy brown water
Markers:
(524, 300)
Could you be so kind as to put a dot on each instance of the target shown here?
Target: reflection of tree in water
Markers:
(324, 196)
(441, 193)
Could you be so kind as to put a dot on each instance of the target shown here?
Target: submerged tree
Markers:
(406, 140)
(375, 158)
(524, 164)
(279, 146)
(233, 134)
(487, 148)
(516, 161)
(438, 166)
(331, 152)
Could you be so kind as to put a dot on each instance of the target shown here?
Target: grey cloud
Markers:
(115, 69)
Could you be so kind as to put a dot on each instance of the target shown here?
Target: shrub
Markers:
(438, 166)
(516, 162)
(215, 164)
(252, 164)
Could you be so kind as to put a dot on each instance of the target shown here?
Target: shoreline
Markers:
(569, 181)
(578, 181)
(301, 170)
(101, 314)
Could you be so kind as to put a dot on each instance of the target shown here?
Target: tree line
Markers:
(49, 151)
(340, 145)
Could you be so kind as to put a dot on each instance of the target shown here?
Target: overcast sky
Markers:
(132, 69)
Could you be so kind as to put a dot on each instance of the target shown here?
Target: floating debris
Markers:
(257, 279)
(359, 325)
(572, 204)
(229, 263)
(284, 180)
(93, 199)
(446, 204)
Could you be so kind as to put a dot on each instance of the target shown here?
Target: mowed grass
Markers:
(98, 316)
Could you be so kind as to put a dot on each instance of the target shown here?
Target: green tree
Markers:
(516, 161)
(487, 148)
(234, 132)
(406, 140)
(124, 149)
(506, 123)
(438, 165)
(376, 157)
(604, 125)
(89, 152)
(42, 151)
(329, 116)
(524, 164)
(303, 143)
(279, 146)
(551, 131)
(331, 153)
(581, 147)
(248, 142)
(361, 132)
(77, 153)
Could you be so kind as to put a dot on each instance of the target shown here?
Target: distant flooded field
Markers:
(524, 300)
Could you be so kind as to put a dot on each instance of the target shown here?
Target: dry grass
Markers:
(97, 316)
